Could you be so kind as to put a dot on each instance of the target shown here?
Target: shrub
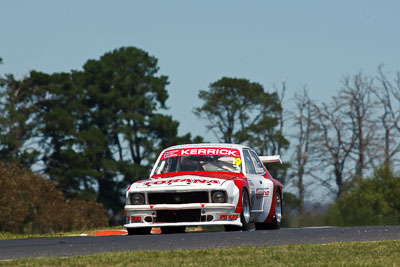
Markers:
(371, 201)
(31, 204)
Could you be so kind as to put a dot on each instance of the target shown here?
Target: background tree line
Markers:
(93, 132)
(337, 144)
(334, 145)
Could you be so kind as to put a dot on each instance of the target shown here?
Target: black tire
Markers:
(244, 215)
(139, 231)
(173, 230)
(276, 221)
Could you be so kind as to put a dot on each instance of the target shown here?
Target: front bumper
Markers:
(193, 214)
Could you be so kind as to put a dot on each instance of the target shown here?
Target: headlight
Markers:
(137, 199)
(218, 197)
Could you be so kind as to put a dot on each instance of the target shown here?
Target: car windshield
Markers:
(206, 160)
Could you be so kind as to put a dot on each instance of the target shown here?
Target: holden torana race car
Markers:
(204, 185)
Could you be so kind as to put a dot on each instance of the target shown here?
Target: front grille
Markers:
(178, 198)
(173, 216)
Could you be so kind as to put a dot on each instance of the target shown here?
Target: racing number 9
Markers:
(237, 161)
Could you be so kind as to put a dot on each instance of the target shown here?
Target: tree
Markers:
(346, 129)
(123, 94)
(101, 128)
(124, 130)
(17, 125)
(388, 94)
(305, 135)
(231, 106)
(266, 135)
(336, 141)
(59, 113)
(240, 111)
(356, 97)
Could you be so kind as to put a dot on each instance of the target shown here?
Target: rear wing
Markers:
(271, 159)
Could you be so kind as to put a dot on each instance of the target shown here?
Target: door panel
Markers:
(255, 182)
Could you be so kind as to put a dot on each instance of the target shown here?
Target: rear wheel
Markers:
(276, 221)
(244, 215)
(139, 231)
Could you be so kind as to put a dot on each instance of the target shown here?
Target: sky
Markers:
(310, 42)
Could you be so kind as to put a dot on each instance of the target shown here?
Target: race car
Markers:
(205, 185)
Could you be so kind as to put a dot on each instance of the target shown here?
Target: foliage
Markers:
(294, 216)
(290, 205)
(17, 107)
(234, 106)
(93, 131)
(31, 204)
(370, 201)
(240, 111)
(381, 253)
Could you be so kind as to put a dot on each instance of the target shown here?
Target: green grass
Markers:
(382, 253)
(7, 236)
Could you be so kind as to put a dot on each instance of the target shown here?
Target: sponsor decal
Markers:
(170, 153)
(261, 192)
(228, 217)
(135, 218)
(187, 181)
(202, 151)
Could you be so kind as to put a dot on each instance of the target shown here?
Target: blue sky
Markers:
(197, 42)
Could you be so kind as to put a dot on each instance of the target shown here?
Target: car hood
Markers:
(207, 174)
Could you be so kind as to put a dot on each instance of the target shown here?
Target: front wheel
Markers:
(244, 215)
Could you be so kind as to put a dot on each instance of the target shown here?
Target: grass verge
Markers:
(382, 253)
(7, 236)
(91, 232)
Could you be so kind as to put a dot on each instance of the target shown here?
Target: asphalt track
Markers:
(70, 246)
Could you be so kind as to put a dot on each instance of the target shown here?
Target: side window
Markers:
(257, 163)
(249, 162)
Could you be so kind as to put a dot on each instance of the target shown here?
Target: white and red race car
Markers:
(204, 185)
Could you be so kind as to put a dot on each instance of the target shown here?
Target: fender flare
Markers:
(277, 188)
(240, 184)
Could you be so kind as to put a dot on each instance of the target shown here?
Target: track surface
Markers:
(69, 246)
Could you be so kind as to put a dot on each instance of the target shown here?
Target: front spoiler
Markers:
(141, 225)
(214, 209)
(207, 206)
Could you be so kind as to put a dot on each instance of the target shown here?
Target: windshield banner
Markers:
(201, 151)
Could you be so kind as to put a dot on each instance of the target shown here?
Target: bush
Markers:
(373, 201)
(31, 204)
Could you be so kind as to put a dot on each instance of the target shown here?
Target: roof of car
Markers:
(218, 145)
